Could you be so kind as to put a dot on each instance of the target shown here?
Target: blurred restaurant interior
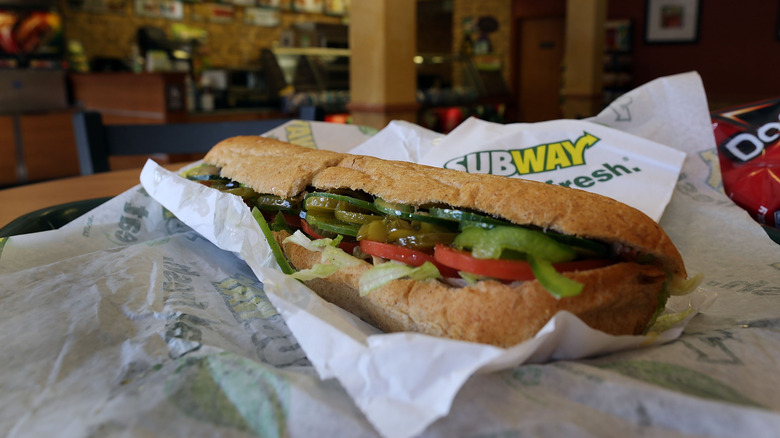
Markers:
(175, 61)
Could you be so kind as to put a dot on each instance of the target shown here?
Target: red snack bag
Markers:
(748, 139)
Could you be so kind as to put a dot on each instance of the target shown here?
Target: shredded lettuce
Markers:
(332, 258)
(673, 286)
(301, 239)
(470, 278)
(384, 273)
(668, 320)
(337, 256)
(320, 270)
(681, 286)
(426, 271)
(325, 241)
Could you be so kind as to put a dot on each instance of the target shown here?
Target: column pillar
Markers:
(584, 58)
(383, 79)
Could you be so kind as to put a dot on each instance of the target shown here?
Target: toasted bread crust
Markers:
(272, 166)
(619, 299)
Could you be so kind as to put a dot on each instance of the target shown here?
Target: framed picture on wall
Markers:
(672, 21)
(777, 32)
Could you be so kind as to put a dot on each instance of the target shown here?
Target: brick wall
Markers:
(237, 44)
(234, 44)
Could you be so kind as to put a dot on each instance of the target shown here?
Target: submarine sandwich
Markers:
(472, 257)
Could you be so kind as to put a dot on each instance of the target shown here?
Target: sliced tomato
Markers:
(504, 269)
(346, 246)
(309, 230)
(292, 220)
(404, 255)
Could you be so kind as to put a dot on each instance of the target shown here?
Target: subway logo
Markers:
(535, 159)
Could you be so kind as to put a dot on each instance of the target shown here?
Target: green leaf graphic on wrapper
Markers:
(231, 391)
(680, 379)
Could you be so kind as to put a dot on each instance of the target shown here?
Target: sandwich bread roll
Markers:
(621, 298)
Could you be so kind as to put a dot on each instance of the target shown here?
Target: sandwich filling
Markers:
(454, 245)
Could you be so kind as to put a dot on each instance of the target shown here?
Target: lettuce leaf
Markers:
(332, 258)
(386, 272)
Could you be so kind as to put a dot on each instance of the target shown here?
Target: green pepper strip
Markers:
(275, 248)
(555, 283)
(541, 252)
(489, 243)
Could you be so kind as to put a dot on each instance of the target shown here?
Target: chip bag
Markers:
(748, 139)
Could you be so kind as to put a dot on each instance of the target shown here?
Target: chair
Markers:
(95, 142)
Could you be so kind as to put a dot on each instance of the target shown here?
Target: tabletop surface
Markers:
(140, 324)
(18, 201)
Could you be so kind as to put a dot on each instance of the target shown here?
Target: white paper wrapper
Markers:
(409, 142)
(128, 322)
(337, 137)
(398, 399)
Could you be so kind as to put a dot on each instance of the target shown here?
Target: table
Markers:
(21, 200)
(167, 333)
(115, 324)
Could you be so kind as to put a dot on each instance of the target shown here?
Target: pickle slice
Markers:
(244, 192)
(355, 217)
(374, 230)
(206, 178)
(316, 198)
(466, 218)
(393, 208)
(408, 212)
(320, 204)
(273, 202)
(330, 223)
(426, 241)
(204, 171)
(416, 235)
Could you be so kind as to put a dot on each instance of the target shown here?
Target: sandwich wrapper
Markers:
(162, 312)
(402, 382)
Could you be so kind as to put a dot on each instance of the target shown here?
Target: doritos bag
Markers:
(748, 139)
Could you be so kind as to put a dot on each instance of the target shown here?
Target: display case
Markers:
(453, 87)
(450, 87)
(445, 80)
(315, 76)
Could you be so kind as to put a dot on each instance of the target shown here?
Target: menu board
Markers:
(171, 9)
